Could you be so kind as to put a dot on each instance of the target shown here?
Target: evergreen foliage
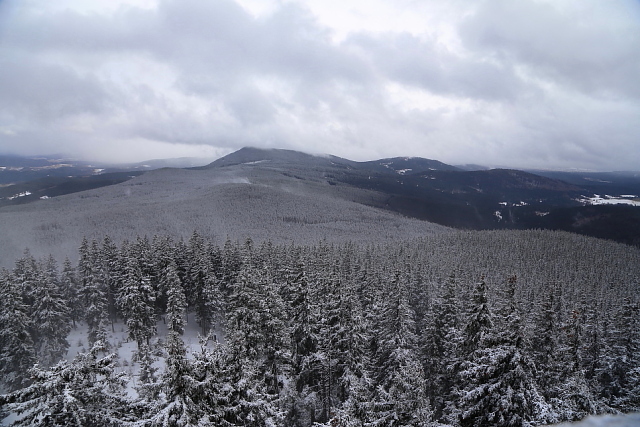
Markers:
(85, 392)
(329, 335)
(17, 351)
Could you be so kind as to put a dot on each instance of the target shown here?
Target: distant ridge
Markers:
(402, 165)
(285, 195)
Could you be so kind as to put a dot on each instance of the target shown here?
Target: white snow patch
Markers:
(403, 171)
(521, 203)
(97, 171)
(230, 180)
(542, 213)
(503, 203)
(44, 197)
(256, 162)
(23, 194)
(610, 200)
(498, 215)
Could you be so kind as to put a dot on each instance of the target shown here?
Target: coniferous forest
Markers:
(502, 328)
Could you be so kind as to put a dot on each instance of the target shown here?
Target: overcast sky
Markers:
(526, 83)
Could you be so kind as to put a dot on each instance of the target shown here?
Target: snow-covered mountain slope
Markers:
(258, 199)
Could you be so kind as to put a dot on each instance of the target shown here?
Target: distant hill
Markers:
(278, 201)
(284, 195)
(473, 197)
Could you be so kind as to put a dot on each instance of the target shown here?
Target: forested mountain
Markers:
(29, 179)
(282, 201)
(284, 196)
(469, 328)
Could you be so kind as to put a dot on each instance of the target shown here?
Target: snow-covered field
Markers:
(625, 199)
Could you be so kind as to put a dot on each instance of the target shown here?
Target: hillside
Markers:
(279, 201)
(289, 196)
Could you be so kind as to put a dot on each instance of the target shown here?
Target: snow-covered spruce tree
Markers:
(231, 264)
(345, 382)
(92, 293)
(17, 352)
(51, 319)
(25, 278)
(400, 396)
(253, 368)
(176, 299)
(136, 300)
(441, 340)
(620, 366)
(70, 291)
(162, 250)
(85, 392)
(177, 400)
(110, 271)
(211, 388)
(479, 327)
(575, 399)
(543, 345)
(500, 385)
(306, 365)
(199, 282)
(148, 386)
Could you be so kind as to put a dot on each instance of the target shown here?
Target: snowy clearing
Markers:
(611, 200)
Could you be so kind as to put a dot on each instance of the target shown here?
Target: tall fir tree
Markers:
(110, 271)
(179, 403)
(254, 337)
(401, 395)
(442, 340)
(136, 300)
(17, 351)
(92, 293)
(51, 316)
(176, 299)
(306, 363)
(70, 291)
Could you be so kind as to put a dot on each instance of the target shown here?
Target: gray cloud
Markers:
(594, 48)
(431, 66)
(523, 84)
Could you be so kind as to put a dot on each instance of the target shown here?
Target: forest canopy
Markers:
(463, 329)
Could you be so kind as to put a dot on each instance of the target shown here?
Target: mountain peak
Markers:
(248, 155)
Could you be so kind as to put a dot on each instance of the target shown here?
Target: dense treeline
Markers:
(469, 329)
